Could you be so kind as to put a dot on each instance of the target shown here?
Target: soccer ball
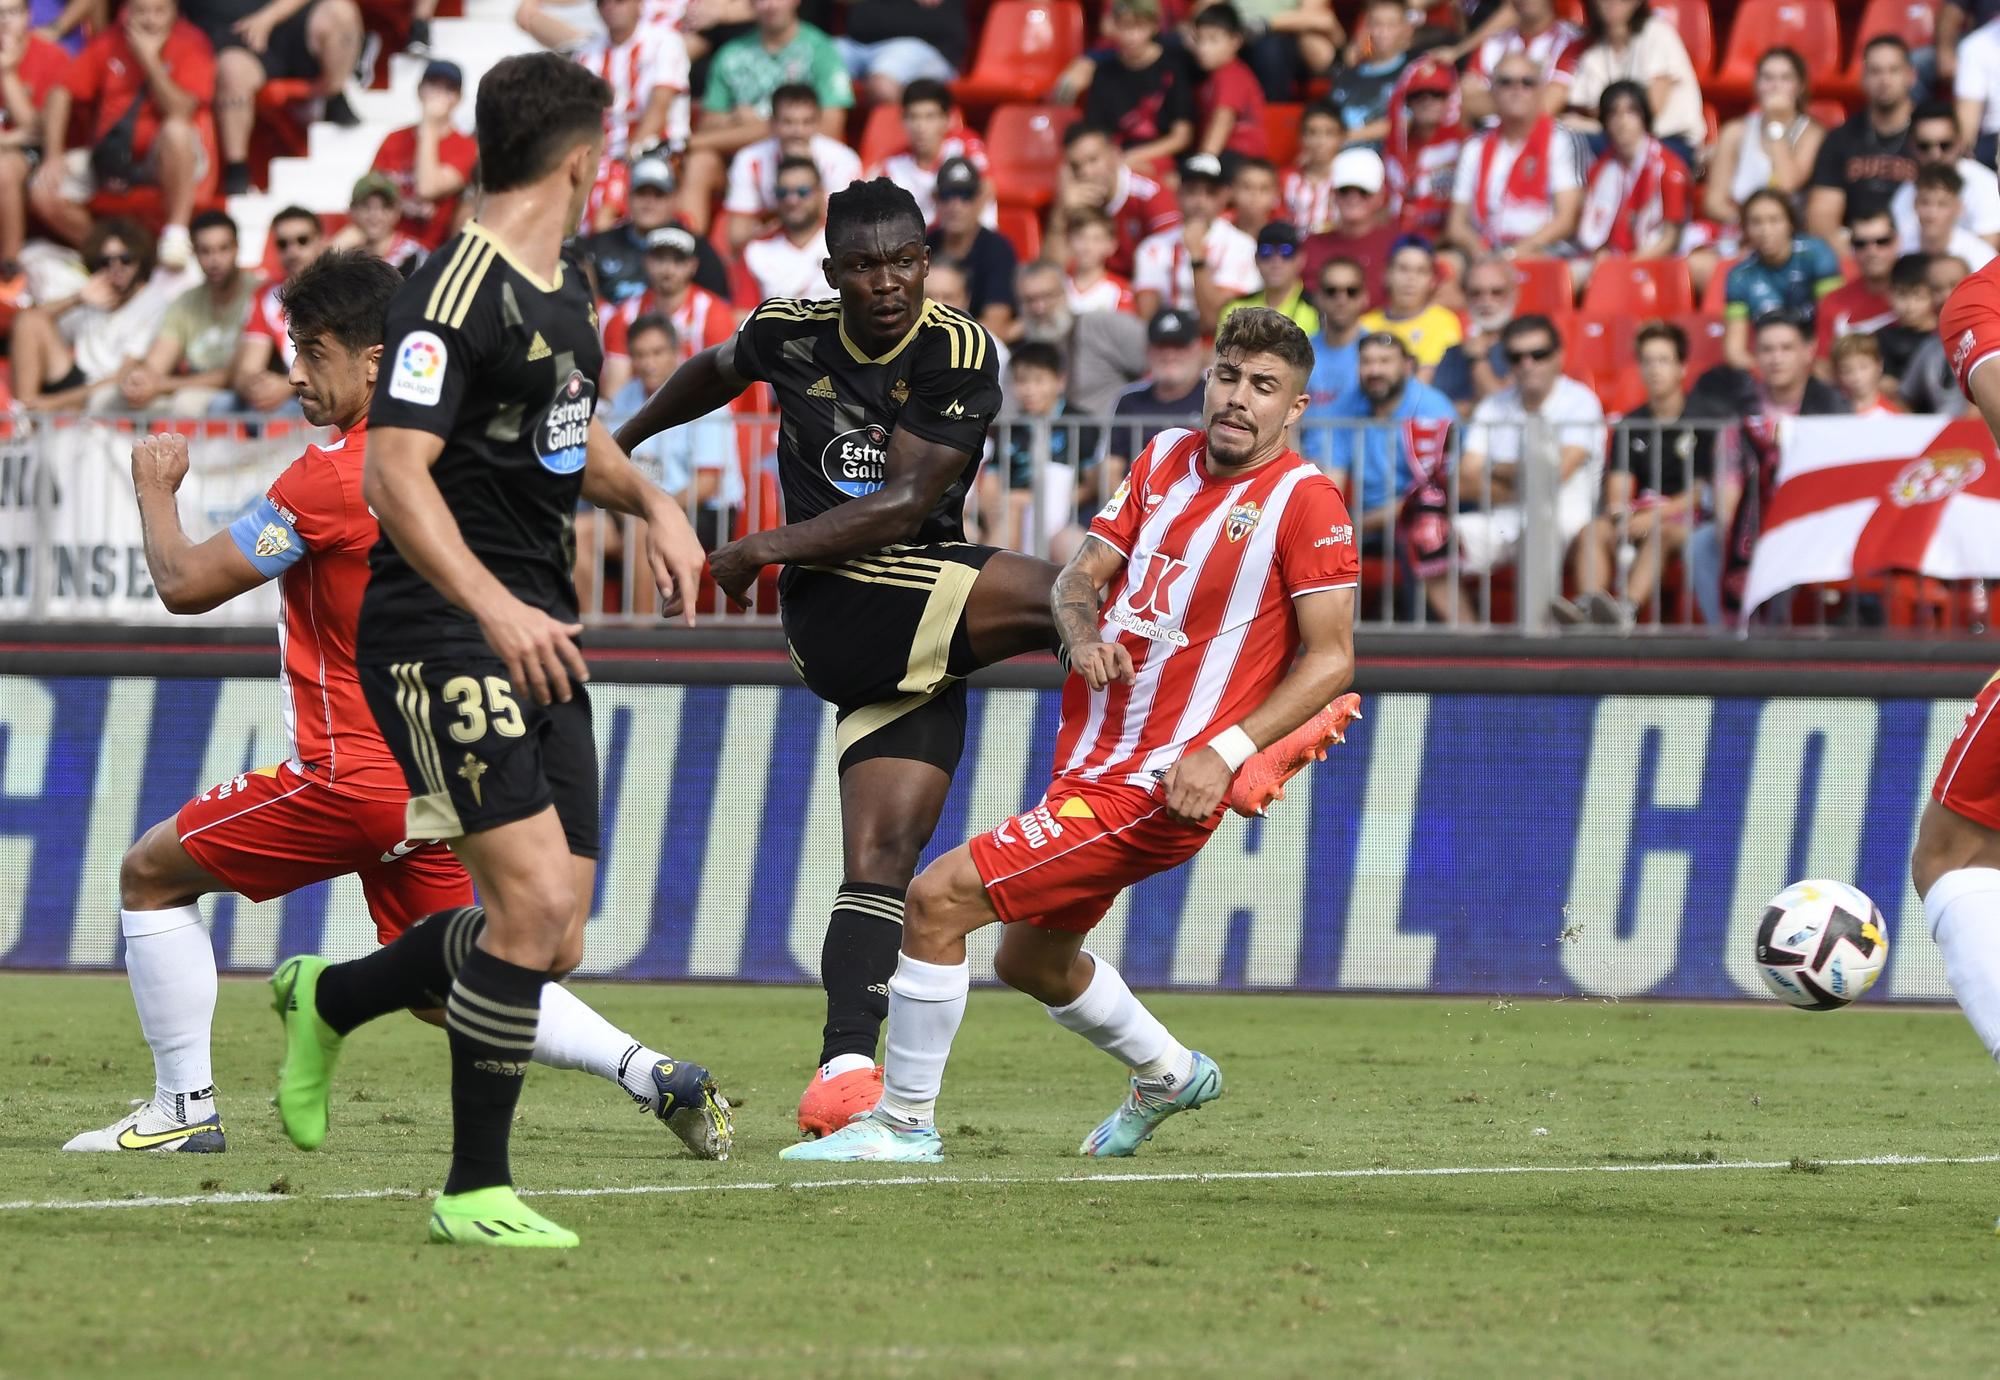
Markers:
(1821, 945)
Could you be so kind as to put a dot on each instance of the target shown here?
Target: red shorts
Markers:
(1969, 325)
(1968, 783)
(1063, 863)
(271, 831)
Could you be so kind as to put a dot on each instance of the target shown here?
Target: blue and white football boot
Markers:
(1150, 1102)
(870, 1138)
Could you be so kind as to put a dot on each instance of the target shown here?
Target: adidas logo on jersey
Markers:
(822, 389)
(538, 349)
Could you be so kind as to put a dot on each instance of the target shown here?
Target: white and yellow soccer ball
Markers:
(1821, 945)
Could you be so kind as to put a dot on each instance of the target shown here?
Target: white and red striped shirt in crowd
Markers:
(1108, 293)
(1204, 603)
(920, 179)
(1558, 49)
(701, 320)
(267, 318)
(653, 56)
(1308, 201)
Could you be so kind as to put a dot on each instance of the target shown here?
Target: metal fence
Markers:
(1525, 527)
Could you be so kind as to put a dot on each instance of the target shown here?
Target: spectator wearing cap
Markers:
(1552, 47)
(431, 161)
(1205, 262)
(985, 255)
(700, 318)
(1359, 438)
(1940, 215)
(890, 44)
(186, 367)
(1868, 156)
(1476, 367)
(1169, 395)
(1229, 103)
(742, 78)
(1625, 41)
(1306, 188)
(1281, 264)
(752, 199)
(1343, 301)
(1780, 269)
(1253, 195)
(375, 223)
(1421, 151)
(1366, 232)
(279, 40)
(1519, 186)
(259, 369)
(1362, 88)
(157, 68)
(1137, 88)
(1934, 138)
(1409, 311)
(618, 254)
(1094, 178)
(931, 137)
(31, 66)
(791, 260)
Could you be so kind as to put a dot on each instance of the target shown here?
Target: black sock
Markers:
(490, 1020)
(855, 965)
(414, 973)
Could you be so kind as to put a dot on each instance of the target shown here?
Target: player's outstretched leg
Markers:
(171, 965)
(572, 1035)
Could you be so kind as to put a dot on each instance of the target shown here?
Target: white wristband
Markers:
(1234, 745)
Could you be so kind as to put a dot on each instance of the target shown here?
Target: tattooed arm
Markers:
(1076, 600)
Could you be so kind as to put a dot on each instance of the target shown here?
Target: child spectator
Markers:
(1253, 195)
(1857, 368)
(375, 223)
(430, 162)
(931, 135)
(1229, 108)
(1034, 503)
(752, 199)
(1408, 312)
(1307, 186)
(1916, 308)
(1363, 92)
(1089, 285)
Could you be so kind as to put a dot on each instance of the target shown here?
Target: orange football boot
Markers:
(1262, 779)
(830, 1103)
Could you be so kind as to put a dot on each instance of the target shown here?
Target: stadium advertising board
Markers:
(1540, 845)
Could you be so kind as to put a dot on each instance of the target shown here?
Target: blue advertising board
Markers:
(1505, 844)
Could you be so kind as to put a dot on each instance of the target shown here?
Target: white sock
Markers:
(1110, 1017)
(845, 1063)
(572, 1036)
(1964, 911)
(171, 965)
(926, 1004)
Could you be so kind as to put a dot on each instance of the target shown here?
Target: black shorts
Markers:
(478, 755)
(285, 57)
(883, 639)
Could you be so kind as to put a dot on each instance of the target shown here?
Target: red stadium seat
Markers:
(1281, 127)
(1639, 288)
(1697, 31)
(1704, 333)
(1913, 21)
(1811, 27)
(1023, 229)
(1545, 286)
(1024, 150)
(1023, 47)
(1715, 297)
(1600, 352)
(1828, 111)
(881, 134)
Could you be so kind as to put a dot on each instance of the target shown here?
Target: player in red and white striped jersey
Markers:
(1228, 567)
(700, 318)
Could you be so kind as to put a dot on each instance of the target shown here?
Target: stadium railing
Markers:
(1494, 558)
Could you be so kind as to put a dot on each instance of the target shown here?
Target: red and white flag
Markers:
(1862, 495)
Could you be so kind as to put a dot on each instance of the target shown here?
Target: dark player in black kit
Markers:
(482, 436)
(886, 398)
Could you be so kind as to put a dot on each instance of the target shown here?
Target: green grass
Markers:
(1836, 1270)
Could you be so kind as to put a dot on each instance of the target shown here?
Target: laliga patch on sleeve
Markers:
(1117, 502)
(418, 374)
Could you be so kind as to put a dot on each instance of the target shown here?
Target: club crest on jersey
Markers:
(899, 392)
(418, 374)
(1242, 520)
(561, 438)
(274, 540)
(853, 461)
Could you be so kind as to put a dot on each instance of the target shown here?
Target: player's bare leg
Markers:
(171, 965)
(1007, 614)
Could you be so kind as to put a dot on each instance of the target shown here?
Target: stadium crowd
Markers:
(1611, 241)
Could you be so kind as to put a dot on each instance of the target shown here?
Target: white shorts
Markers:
(1488, 540)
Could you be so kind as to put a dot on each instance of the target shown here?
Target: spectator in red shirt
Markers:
(156, 70)
(30, 67)
(1862, 306)
(1366, 232)
(1093, 177)
(277, 40)
(263, 358)
(430, 161)
(1229, 107)
(1635, 203)
(1422, 150)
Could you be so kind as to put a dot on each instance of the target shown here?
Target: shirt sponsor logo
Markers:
(1147, 607)
(418, 375)
(1341, 535)
(854, 461)
(560, 439)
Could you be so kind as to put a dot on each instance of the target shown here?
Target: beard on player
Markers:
(1256, 388)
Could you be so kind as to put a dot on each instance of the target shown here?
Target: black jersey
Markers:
(504, 367)
(941, 381)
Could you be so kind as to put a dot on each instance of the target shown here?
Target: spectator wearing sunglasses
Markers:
(1426, 329)
(1934, 138)
(1343, 301)
(985, 255)
(1519, 186)
(1862, 305)
(64, 350)
(259, 369)
(1551, 46)
(1281, 264)
(790, 261)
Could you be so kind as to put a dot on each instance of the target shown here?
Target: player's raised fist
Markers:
(160, 461)
(1102, 663)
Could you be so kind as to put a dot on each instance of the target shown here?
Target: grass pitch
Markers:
(1661, 1257)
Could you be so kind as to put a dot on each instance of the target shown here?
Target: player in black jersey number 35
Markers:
(482, 436)
(886, 398)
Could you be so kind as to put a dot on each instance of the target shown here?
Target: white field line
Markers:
(921, 1180)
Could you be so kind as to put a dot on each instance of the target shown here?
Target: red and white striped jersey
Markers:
(1204, 603)
(1558, 49)
(920, 179)
(653, 56)
(701, 320)
(1308, 201)
(1109, 293)
(267, 318)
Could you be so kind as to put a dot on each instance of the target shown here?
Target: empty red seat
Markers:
(1704, 334)
(1640, 288)
(1545, 286)
(1809, 27)
(1697, 30)
(881, 134)
(1023, 47)
(1023, 229)
(1024, 151)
